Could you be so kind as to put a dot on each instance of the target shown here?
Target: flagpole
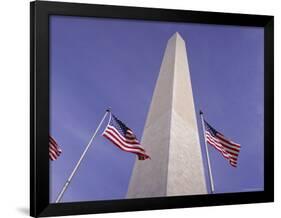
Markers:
(80, 160)
(207, 153)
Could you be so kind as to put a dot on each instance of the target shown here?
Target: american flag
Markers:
(54, 149)
(124, 138)
(226, 147)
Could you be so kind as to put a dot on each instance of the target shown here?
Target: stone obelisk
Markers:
(170, 134)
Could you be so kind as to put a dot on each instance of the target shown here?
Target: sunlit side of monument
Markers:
(170, 134)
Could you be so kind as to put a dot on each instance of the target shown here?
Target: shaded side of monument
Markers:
(170, 134)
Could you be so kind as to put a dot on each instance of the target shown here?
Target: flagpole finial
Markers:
(200, 112)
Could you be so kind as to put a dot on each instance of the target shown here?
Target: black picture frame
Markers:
(39, 108)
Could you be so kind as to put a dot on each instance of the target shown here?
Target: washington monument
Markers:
(170, 134)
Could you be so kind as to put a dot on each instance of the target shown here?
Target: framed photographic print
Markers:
(140, 109)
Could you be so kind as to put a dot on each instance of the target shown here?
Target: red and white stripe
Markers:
(54, 149)
(227, 148)
(129, 145)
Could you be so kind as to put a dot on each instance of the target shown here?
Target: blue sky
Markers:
(96, 63)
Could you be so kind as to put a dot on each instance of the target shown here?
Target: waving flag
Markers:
(124, 138)
(54, 149)
(226, 147)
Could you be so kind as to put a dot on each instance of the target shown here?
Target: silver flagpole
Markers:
(80, 160)
(207, 152)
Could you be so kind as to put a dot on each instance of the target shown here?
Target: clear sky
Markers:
(96, 63)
